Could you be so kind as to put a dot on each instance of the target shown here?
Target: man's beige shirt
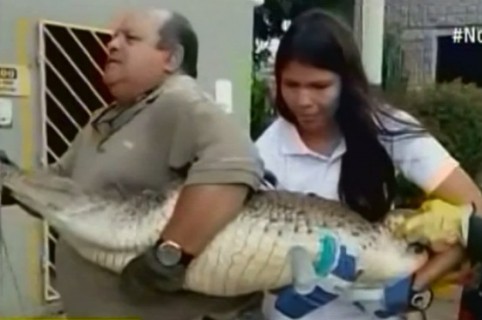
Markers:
(176, 130)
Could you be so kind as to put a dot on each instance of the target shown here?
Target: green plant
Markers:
(452, 112)
(261, 109)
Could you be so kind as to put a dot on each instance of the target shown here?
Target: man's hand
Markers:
(439, 223)
(146, 275)
(200, 213)
(317, 285)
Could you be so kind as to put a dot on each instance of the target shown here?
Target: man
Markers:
(161, 126)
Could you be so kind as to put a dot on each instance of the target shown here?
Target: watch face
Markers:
(169, 254)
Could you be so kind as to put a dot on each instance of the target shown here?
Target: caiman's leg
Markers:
(303, 271)
(317, 283)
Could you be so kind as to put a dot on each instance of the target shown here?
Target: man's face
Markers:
(135, 64)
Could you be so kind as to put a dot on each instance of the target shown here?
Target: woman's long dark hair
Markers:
(367, 180)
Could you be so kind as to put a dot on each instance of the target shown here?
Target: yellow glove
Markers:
(437, 222)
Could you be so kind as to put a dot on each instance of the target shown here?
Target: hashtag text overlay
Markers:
(467, 35)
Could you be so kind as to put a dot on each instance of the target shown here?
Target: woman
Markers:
(334, 139)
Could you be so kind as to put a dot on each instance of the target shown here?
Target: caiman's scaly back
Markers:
(249, 255)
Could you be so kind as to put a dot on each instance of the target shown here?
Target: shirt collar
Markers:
(111, 113)
(292, 145)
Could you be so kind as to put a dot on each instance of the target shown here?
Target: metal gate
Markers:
(70, 60)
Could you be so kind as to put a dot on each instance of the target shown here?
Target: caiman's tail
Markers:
(39, 191)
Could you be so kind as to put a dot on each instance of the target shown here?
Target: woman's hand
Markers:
(444, 268)
(444, 227)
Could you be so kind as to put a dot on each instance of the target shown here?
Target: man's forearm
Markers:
(201, 212)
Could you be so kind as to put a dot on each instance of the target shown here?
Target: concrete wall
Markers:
(422, 21)
(224, 29)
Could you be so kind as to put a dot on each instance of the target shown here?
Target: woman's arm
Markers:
(458, 188)
(425, 162)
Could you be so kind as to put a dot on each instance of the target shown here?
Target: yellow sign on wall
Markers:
(14, 80)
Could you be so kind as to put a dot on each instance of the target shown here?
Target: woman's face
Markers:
(311, 94)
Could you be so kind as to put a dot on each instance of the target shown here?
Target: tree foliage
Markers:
(269, 18)
(452, 112)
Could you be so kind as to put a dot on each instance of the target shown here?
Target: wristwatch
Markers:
(170, 254)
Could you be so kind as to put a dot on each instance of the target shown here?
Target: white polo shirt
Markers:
(421, 159)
